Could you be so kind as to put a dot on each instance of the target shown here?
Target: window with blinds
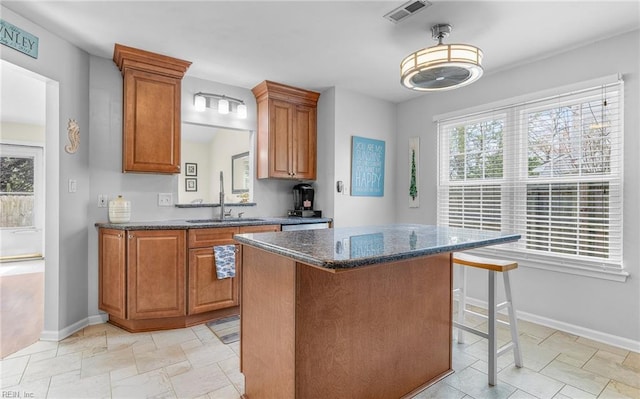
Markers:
(547, 168)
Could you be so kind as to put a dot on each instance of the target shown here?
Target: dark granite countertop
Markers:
(349, 247)
(209, 223)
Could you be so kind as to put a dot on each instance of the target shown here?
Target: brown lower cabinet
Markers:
(146, 283)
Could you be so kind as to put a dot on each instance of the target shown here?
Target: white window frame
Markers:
(599, 268)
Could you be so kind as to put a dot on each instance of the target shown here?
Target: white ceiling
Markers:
(319, 44)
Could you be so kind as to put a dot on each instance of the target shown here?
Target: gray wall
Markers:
(587, 303)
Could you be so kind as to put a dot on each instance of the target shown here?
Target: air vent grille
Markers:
(406, 10)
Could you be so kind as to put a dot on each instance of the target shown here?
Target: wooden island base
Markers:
(381, 331)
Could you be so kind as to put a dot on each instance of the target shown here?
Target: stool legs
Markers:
(513, 326)
(493, 337)
(462, 302)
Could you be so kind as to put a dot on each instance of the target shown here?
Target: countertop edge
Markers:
(182, 224)
(354, 263)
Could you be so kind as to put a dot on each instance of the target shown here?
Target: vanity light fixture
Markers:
(225, 104)
(441, 67)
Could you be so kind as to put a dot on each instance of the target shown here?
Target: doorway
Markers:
(26, 97)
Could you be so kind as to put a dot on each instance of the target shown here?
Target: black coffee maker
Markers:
(303, 201)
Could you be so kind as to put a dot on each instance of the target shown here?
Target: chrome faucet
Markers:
(221, 196)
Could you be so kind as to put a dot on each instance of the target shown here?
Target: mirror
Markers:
(207, 150)
(240, 173)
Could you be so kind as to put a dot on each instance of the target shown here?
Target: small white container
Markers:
(119, 210)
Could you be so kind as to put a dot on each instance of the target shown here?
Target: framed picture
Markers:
(190, 169)
(367, 167)
(190, 184)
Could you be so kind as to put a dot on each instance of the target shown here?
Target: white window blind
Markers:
(549, 168)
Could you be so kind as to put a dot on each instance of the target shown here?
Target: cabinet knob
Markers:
(130, 236)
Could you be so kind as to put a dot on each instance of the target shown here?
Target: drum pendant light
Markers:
(441, 67)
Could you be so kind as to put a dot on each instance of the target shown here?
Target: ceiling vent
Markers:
(406, 10)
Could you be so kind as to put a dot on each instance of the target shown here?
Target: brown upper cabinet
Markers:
(151, 120)
(287, 142)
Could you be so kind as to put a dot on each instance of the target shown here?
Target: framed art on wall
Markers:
(190, 184)
(367, 167)
(190, 169)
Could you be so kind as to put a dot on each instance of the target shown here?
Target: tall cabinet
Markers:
(151, 115)
(287, 126)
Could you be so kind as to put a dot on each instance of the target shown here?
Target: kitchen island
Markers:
(361, 312)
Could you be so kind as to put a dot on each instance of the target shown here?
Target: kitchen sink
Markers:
(226, 220)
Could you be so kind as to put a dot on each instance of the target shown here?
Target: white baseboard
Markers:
(594, 335)
(52, 335)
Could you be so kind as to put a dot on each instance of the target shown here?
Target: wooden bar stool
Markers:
(492, 266)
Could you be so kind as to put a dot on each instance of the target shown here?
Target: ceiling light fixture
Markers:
(224, 105)
(441, 67)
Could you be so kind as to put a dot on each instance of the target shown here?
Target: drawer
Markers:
(199, 238)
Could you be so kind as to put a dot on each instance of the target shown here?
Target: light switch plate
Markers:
(73, 186)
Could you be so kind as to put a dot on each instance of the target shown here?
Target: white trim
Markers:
(599, 336)
(560, 265)
(49, 335)
(537, 96)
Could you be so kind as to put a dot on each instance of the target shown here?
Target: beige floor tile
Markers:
(602, 346)
(71, 385)
(227, 392)
(32, 389)
(159, 358)
(172, 337)
(123, 373)
(460, 358)
(209, 353)
(571, 352)
(474, 383)
(12, 368)
(535, 330)
(54, 366)
(199, 381)
(151, 384)
(531, 382)
(40, 346)
(106, 362)
(480, 350)
(440, 390)
(231, 368)
(519, 394)
(178, 368)
(574, 393)
(536, 357)
(619, 390)
(633, 361)
(122, 341)
(575, 376)
(611, 366)
(235, 347)
(93, 343)
(204, 333)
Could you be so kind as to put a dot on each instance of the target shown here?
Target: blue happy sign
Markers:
(367, 167)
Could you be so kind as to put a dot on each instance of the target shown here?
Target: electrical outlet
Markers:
(103, 200)
(165, 199)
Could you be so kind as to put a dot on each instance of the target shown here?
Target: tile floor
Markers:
(103, 361)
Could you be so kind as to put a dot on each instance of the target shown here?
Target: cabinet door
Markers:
(304, 147)
(112, 272)
(151, 137)
(280, 138)
(156, 275)
(206, 291)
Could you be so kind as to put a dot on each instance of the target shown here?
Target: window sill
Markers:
(559, 265)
